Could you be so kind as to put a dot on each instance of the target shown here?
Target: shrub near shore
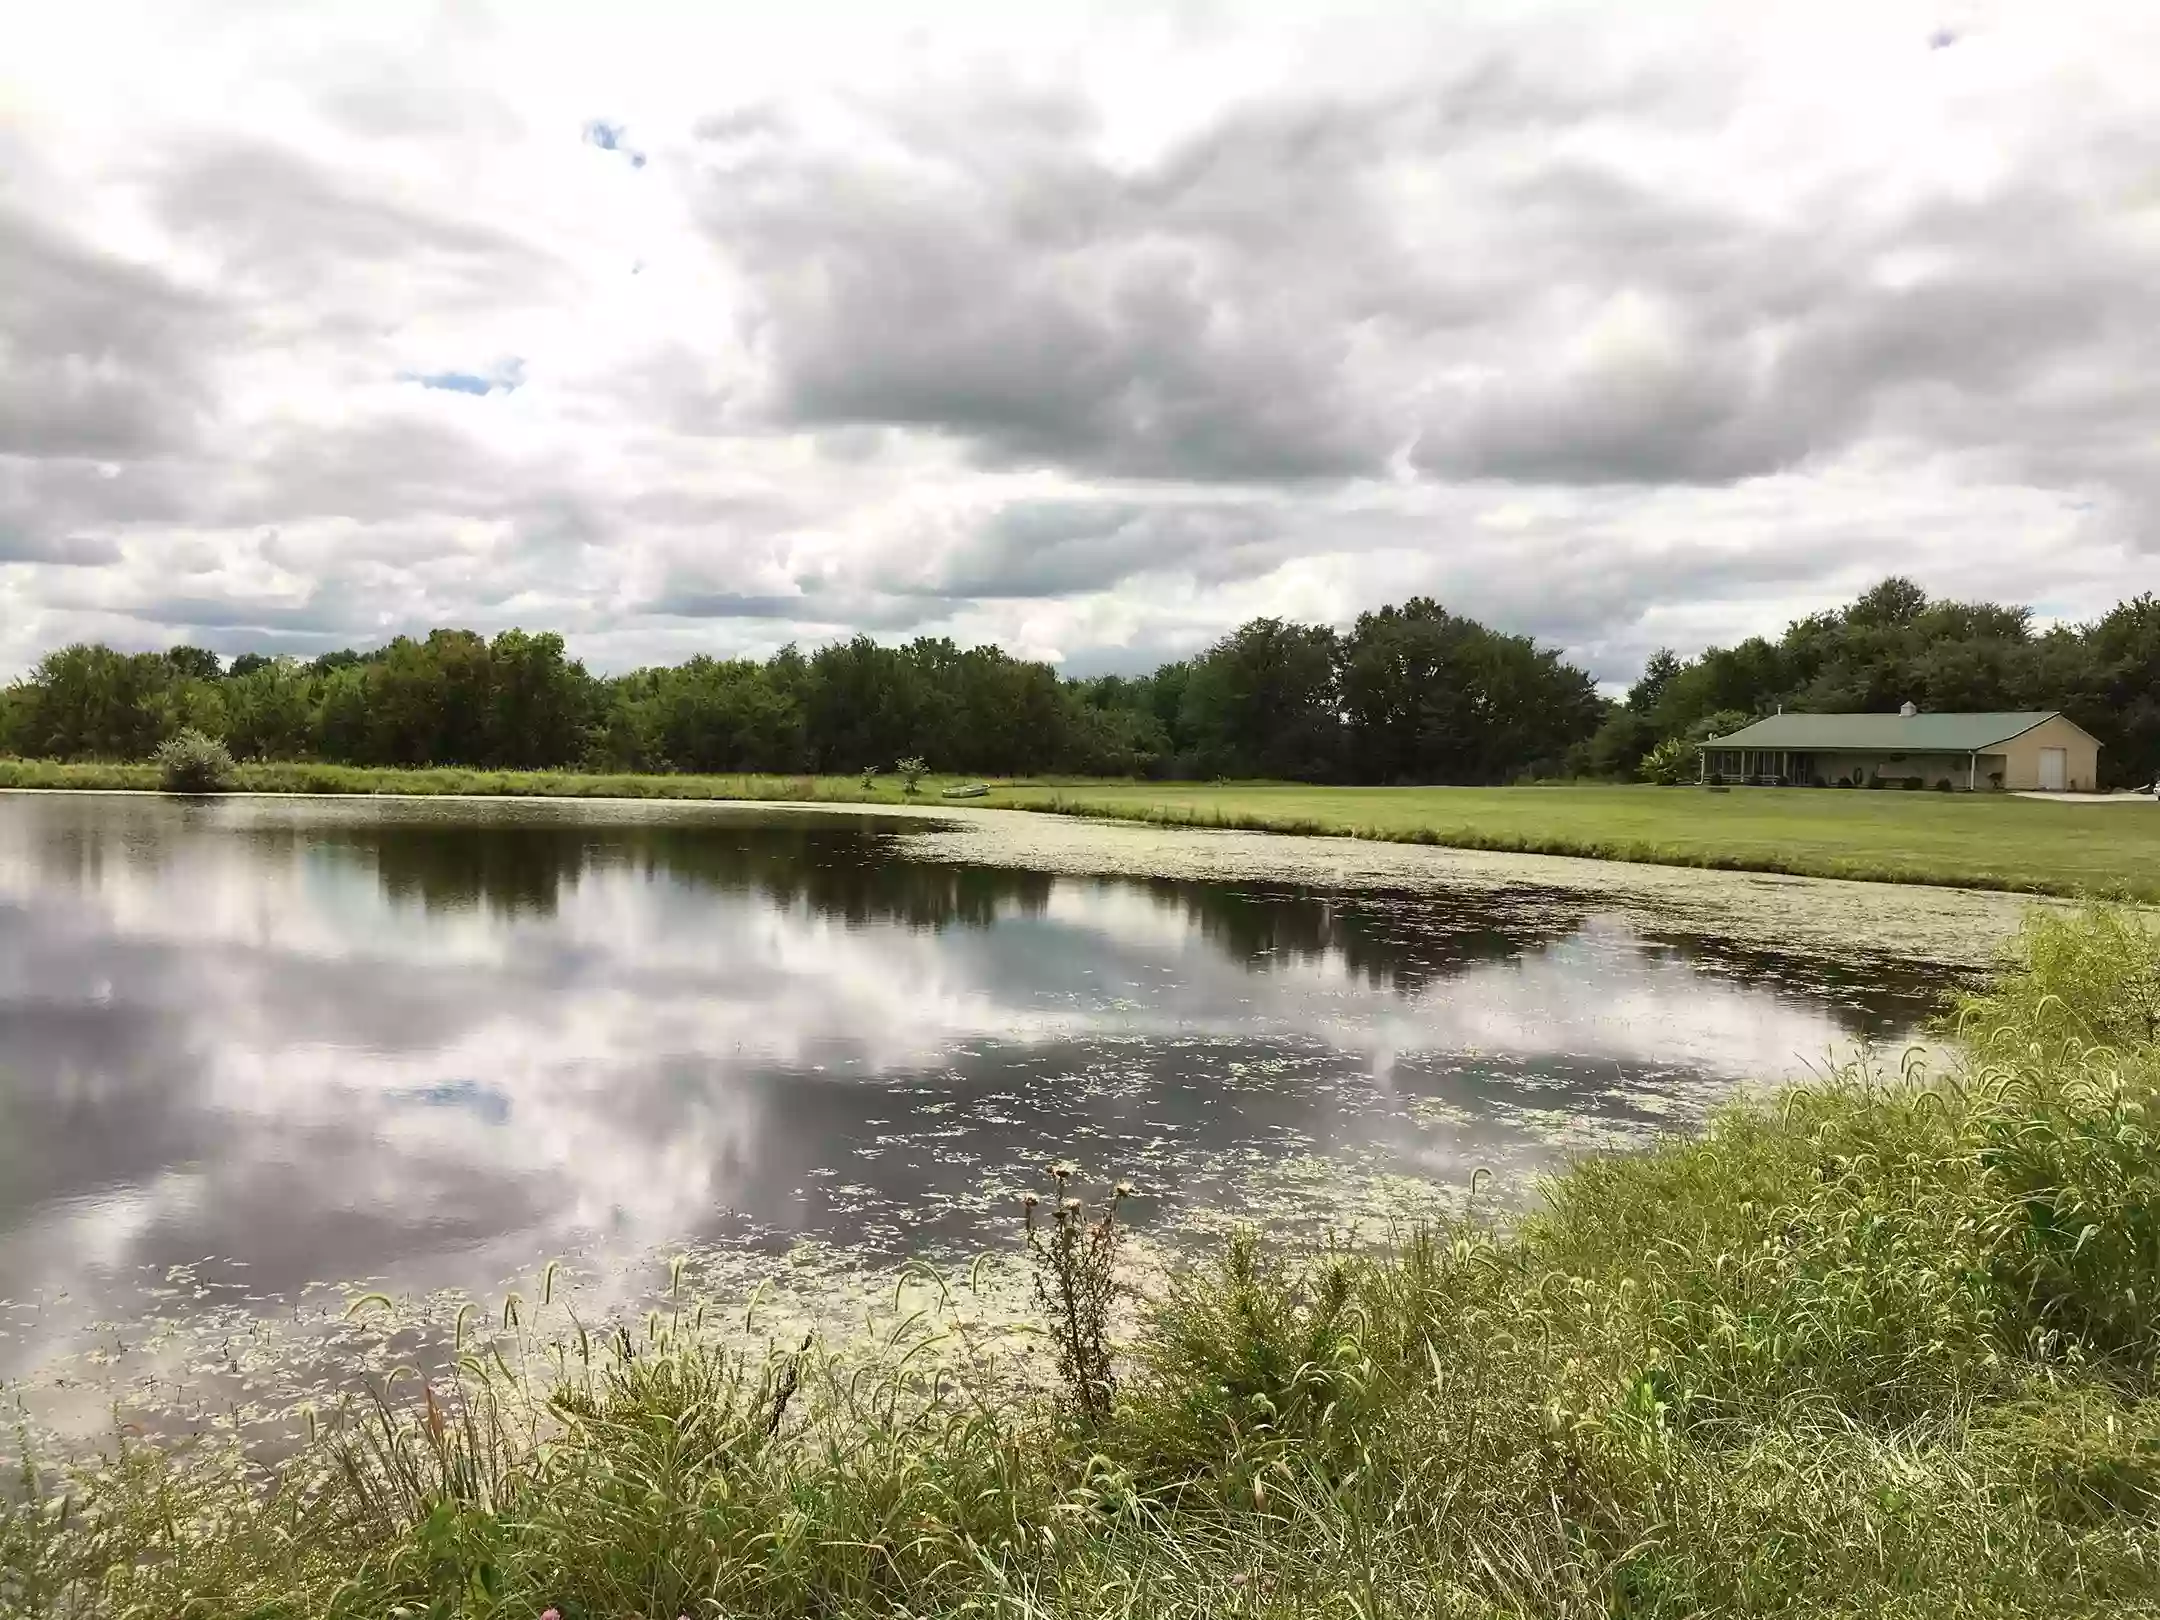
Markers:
(1880, 1346)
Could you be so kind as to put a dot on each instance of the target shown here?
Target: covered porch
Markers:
(1768, 767)
(1780, 767)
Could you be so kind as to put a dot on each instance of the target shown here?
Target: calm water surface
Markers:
(254, 1045)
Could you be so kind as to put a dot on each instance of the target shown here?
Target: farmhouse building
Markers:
(2016, 752)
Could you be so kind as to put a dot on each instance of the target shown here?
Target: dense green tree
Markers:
(2113, 689)
(1657, 674)
(1412, 693)
(88, 702)
(1118, 727)
(541, 702)
(1623, 739)
(198, 662)
(1262, 702)
(860, 706)
(341, 713)
(271, 709)
(710, 715)
(1431, 697)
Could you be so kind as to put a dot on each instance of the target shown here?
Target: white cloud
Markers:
(1088, 330)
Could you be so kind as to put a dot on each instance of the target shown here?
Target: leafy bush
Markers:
(189, 762)
(2069, 982)
(911, 771)
(1670, 763)
(2068, 1116)
(2075, 1231)
(1942, 784)
(1911, 784)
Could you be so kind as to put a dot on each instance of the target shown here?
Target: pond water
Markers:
(252, 1046)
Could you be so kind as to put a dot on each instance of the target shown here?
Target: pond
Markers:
(251, 1049)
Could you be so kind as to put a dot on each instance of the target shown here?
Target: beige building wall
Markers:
(2081, 757)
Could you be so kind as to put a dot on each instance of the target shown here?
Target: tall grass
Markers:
(1881, 1346)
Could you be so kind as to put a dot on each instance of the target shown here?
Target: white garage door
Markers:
(2051, 769)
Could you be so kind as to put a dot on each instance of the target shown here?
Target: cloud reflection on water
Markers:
(427, 1043)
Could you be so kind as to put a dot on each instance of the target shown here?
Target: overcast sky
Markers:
(1090, 331)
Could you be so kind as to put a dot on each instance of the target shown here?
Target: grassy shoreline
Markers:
(447, 781)
(1875, 1347)
(1984, 842)
(1960, 841)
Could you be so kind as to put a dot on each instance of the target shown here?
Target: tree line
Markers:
(1410, 693)
(1895, 645)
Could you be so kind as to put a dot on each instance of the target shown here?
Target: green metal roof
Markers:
(1886, 733)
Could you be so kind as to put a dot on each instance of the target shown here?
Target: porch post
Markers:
(1972, 772)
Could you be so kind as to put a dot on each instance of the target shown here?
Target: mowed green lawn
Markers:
(1987, 841)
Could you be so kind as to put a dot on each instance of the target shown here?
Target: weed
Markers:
(1076, 1285)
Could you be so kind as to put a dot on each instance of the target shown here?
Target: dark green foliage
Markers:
(1895, 645)
(1429, 697)
(1265, 701)
(1262, 703)
(197, 663)
(87, 702)
(1411, 694)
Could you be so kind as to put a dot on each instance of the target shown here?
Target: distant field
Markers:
(1979, 841)
(1894, 837)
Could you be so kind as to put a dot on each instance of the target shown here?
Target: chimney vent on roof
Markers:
(1908, 710)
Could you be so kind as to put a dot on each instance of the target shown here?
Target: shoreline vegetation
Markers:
(1882, 1345)
(1408, 693)
(1990, 842)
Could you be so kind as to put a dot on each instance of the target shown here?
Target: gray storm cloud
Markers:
(1606, 352)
